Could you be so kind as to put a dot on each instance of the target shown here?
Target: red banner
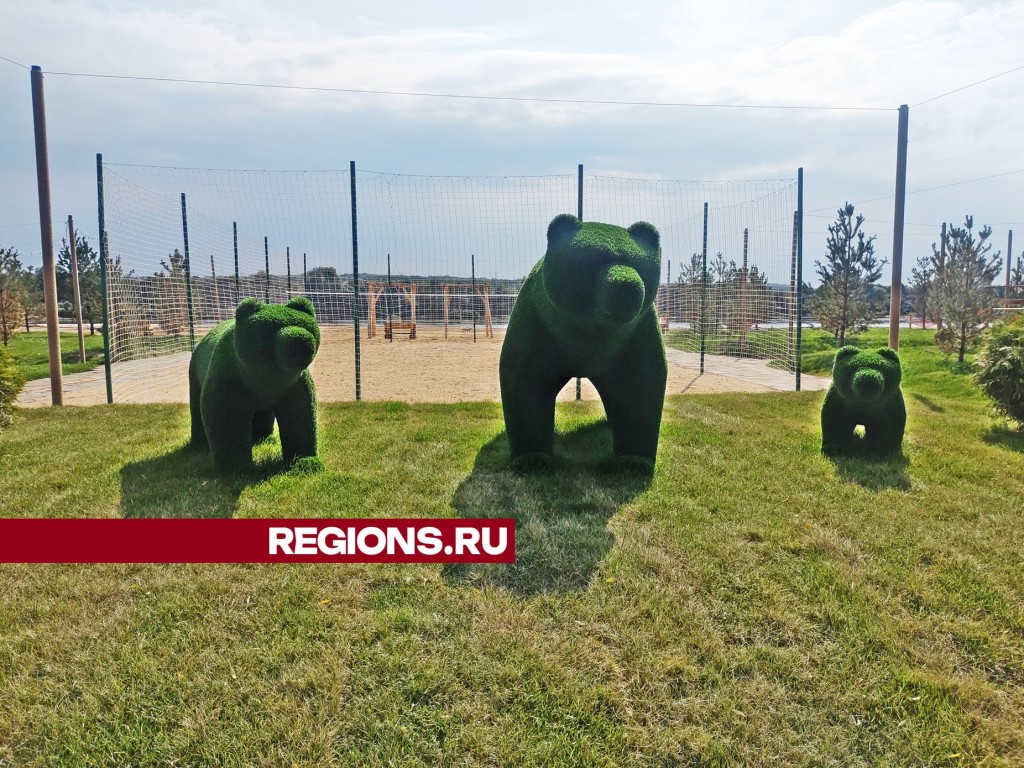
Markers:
(40, 540)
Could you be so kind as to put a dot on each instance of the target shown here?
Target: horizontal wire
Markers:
(366, 91)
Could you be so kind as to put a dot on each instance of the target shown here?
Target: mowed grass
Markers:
(31, 354)
(753, 604)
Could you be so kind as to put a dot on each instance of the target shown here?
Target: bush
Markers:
(10, 385)
(1002, 368)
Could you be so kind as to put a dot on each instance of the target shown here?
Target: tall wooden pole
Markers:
(73, 250)
(46, 238)
(895, 298)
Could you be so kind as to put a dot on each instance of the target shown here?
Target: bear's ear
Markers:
(645, 235)
(889, 353)
(302, 304)
(247, 308)
(847, 351)
(563, 227)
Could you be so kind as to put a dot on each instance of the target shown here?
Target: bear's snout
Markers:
(868, 385)
(294, 348)
(620, 292)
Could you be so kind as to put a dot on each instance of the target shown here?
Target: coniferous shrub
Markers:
(10, 385)
(1002, 368)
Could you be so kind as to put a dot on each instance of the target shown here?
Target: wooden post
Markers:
(895, 298)
(445, 299)
(73, 250)
(46, 238)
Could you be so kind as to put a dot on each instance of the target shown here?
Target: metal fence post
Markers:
(103, 278)
(704, 291)
(799, 272)
(355, 275)
(579, 215)
(188, 277)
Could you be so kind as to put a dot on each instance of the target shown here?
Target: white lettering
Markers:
(376, 549)
(467, 539)
(498, 549)
(305, 541)
(331, 541)
(281, 541)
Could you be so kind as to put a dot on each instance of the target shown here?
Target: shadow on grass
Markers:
(875, 474)
(561, 517)
(183, 483)
(927, 403)
(1004, 437)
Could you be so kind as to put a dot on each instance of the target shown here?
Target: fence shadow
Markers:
(931, 405)
(561, 517)
(875, 474)
(183, 483)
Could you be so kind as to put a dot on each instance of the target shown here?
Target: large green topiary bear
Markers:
(587, 309)
(248, 371)
(865, 391)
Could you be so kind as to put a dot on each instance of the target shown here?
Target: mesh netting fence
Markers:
(440, 261)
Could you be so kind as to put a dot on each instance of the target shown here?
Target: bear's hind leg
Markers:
(262, 426)
(228, 428)
(198, 438)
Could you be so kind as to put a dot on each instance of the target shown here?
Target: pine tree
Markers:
(1017, 279)
(88, 280)
(10, 293)
(33, 305)
(919, 290)
(844, 301)
(172, 299)
(962, 287)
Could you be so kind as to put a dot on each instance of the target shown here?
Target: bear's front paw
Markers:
(536, 462)
(307, 465)
(631, 464)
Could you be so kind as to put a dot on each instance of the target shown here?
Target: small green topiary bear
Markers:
(248, 371)
(587, 309)
(865, 391)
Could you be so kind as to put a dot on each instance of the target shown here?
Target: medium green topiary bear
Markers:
(248, 371)
(587, 309)
(865, 391)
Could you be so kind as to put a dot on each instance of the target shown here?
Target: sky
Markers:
(871, 56)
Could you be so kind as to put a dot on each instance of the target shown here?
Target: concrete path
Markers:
(747, 369)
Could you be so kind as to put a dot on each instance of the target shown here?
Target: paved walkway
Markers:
(747, 369)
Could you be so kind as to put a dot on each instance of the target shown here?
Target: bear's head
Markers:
(600, 271)
(865, 376)
(276, 337)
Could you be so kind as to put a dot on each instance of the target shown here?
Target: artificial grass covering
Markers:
(754, 603)
(250, 371)
(587, 309)
(865, 392)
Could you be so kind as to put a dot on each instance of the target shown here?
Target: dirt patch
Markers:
(428, 369)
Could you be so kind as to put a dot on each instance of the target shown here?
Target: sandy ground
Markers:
(429, 369)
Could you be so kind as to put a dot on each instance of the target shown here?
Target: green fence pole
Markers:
(355, 274)
(579, 215)
(104, 291)
(704, 291)
(799, 271)
(188, 277)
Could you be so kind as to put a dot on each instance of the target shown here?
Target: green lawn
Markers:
(753, 604)
(31, 354)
